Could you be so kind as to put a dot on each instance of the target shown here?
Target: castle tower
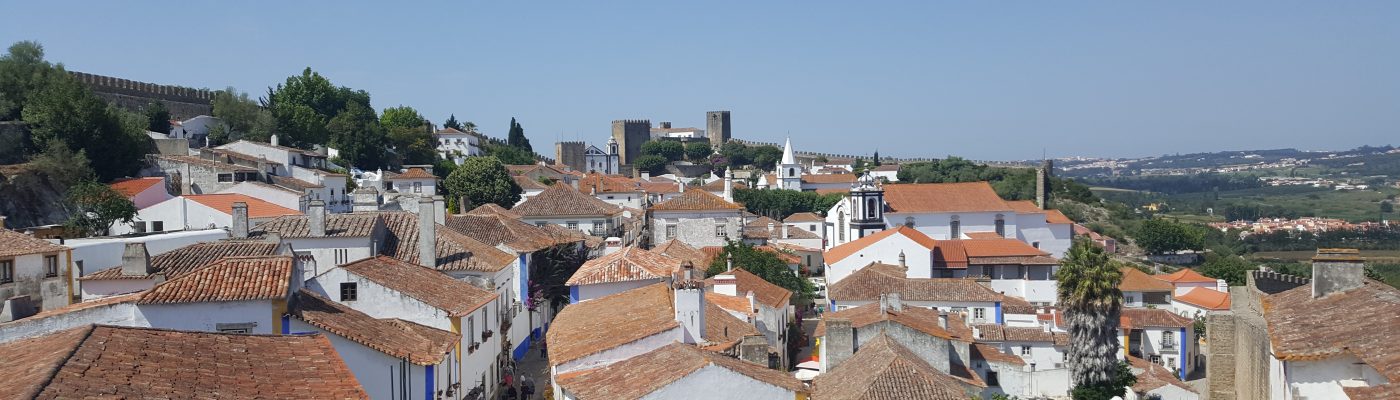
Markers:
(570, 154)
(867, 205)
(717, 127)
(789, 171)
(630, 134)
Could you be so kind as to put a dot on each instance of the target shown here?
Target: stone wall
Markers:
(1238, 357)
(630, 134)
(571, 154)
(183, 102)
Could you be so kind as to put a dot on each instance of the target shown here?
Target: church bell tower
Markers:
(867, 205)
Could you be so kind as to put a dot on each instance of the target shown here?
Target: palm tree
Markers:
(1089, 295)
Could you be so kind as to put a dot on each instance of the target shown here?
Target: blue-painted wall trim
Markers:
(520, 350)
(573, 294)
(524, 278)
(998, 314)
(1181, 360)
(428, 382)
(536, 333)
(286, 324)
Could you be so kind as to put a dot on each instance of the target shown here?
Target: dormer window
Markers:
(1001, 225)
(955, 228)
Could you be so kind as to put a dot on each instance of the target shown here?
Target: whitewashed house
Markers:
(765, 305)
(230, 295)
(624, 270)
(35, 275)
(143, 192)
(979, 303)
(883, 359)
(697, 218)
(614, 189)
(283, 196)
(565, 206)
(138, 270)
(456, 145)
(1142, 290)
(200, 211)
(1161, 337)
(682, 371)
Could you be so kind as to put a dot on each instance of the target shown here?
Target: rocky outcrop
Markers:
(30, 198)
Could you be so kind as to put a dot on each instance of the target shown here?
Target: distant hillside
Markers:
(1361, 161)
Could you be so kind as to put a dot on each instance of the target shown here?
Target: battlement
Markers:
(646, 122)
(903, 160)
(182, 102)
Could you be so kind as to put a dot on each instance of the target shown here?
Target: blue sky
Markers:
(985, 80)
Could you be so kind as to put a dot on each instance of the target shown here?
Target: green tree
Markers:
(1231, 268)
(483, 180)
(516, 137)
(765, 157)
(651, 163)
(403, 117)
(23, 71)
(157, 117)
(1088, 293)
(858, 166)
(876, 159)
(766, 265)
(1387, 208)
(698, 152)
(95, 207)
(452, 122)
(359, 137)
(1158, 236)
(1123, 379)
(508, 155)
(67, 111)
(243, 118)
(304, 105)
(668, 149)
(780, 203)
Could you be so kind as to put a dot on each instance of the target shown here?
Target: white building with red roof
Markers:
(200, 211)
(143, 192)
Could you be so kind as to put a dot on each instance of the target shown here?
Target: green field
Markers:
(1374, 256)
(1353, 205)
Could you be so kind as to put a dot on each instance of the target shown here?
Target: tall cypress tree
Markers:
(452, 123)
(516, 137)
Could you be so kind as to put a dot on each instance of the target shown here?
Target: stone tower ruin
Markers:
(570, 154)
(717, 127)
(630, 134)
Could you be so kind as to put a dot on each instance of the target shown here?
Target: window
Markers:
(670, 232)
(720, 231)
(812, 227)
(540, 224)
(573, 225)
(1025, 351)
(841, 226)
(1001, 225)
(225, 177)
(992, 379)
(342, 256)
(157, 226)
(471, 326)
(979, 313)
(870, 208)
(244, 327)
(139, 226)
(1035, 244)
(955, 228)
(50, 266)
(417, 187)
(792, 172)
(598, 226)
(7, 271)
(349, 291)
(1168, 339)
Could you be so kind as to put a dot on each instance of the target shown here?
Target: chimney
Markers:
(135, 260)
(240, 220)
(462, 204)
(273, 140)
(729, 261)
(316, 218)
(839, 342)
(689, 298)
(1042, 184)
(2, 222)
(729, 184)
(1222, 286)
(943, 320)
(901, 261)
(1337, 270)
(427, 238)
(365, 198)
(646, 176)
(892, 302)
(726, 285)
(771, 228)
(439, 210)
(754, 349)
(785, 231)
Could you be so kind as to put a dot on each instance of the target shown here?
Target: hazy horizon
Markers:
(909, 78)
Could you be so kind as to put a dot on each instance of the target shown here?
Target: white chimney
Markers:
(273, 140)
(785, 231)
(689, 298)
(135, 260)
(439, 210)
(427, 238)
(316, 218)
(726, 285)
(729, 262)
(646, 176)
(729, 185)
(1221, 285)
(943, 320)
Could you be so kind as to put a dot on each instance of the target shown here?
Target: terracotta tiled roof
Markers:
(758, 229)
(560, 200)
(1000, 247)
(1001, 333)
(17, 244)
(982, 235)
(677, 249)
(869, 282)
(943, 197)
(131, 187)
(722, 330)
(626, 265)
(919, 318)
(1053, 216)
(695, 199)
(885, 370)
(1185, 275)
(257, 208)
(839, 253)
(528, 183)
(120, 362)
(493, 209)
(414, 173)
(1209, 299)
(660, 187)
(419, 344)
(496, 229)
(589, 327)
(229, 279)
(435, 288)
(1137, 318)
(763, 292)
(886, 168)
(990, 353)
(80, 306)
(178, 262)
(1024, 206)
(718, 185)
(359, 224)
(639, 376)
(1151, 376)
(1361, 322)
(1138, 281)
(455, 251)
(739, 304)
(803, 217)
(607, 184)
(829, 178)
(950, 254)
